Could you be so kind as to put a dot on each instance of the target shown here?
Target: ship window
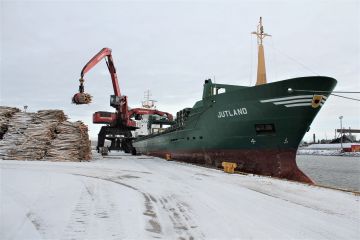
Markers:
(217, 91)
(221, 90)
(194, 137)
(201, 137)
(264, 129)
(187, 138)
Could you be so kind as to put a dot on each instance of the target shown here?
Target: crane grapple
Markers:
(81, 98)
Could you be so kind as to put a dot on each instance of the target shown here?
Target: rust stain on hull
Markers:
(275, 163)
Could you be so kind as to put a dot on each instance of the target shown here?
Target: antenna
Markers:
(148, 103)
(260, 32)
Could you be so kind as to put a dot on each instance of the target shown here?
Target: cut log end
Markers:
(81, 98)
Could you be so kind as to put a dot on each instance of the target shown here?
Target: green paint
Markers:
(227, 120)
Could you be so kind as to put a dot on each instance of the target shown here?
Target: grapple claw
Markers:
(82, 98)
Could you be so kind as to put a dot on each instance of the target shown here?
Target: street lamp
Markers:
(341, 135)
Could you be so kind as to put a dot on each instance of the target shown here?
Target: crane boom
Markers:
(104, 53)
(145, 111)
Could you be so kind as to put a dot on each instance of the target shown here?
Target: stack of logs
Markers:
(44, 135)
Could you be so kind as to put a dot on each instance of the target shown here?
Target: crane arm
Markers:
(143, 111)
(104, 53)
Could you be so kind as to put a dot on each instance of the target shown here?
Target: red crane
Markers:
(119, 124)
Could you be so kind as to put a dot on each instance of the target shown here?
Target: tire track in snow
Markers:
(179, 214)
(39, 224)
(79, 220)
(94, 210)
(152, 225)
(32, 207)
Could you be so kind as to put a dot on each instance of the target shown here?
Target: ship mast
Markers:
(261, 71)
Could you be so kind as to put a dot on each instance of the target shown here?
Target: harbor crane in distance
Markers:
(118, 125)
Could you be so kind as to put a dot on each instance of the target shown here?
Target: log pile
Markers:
(71, 142)
(45, 135)
(5, 114)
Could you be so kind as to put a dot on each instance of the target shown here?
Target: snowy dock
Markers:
(140, 197)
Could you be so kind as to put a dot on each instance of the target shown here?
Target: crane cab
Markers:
(104, 117)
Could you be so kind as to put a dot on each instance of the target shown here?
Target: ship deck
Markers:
(139, 197)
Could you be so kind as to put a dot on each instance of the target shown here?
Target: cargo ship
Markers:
(259, 127)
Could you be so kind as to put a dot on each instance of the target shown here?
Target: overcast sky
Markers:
(171, 47)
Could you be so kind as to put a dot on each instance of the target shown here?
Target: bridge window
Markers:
(221, 90)
(217, 91)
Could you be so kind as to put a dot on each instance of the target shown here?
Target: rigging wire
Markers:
(275, 65)
(294, 60)
(251, 58)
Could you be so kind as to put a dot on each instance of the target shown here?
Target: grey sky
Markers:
(170, 47)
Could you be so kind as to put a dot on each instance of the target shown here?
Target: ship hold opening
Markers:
(265, 129)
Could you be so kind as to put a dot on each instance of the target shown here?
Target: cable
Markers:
(251, 58)
(355, 99)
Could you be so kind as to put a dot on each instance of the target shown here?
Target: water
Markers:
(333, 171)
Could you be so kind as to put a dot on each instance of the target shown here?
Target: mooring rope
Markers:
(355, 99)
(330, 92)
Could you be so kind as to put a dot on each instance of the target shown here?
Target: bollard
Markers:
(229, 167)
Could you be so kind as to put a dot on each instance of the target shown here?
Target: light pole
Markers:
(341, 135)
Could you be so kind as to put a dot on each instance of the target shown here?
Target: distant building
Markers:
(345, 139)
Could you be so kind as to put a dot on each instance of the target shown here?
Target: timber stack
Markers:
(44, 135)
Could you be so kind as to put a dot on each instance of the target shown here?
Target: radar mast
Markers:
(261, 70)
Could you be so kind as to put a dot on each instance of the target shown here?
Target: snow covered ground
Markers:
(327, 152)
(128, 197)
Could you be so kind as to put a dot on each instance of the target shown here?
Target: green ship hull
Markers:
(258, 127)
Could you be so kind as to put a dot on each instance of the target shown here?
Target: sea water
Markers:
(333, 171)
